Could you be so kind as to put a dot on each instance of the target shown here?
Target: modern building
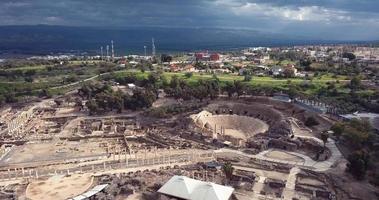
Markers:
(190, 189)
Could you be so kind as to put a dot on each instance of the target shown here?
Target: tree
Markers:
(45, 93)
(292, 92)
(166, 58)
(174, 81)
(288, 72)
(153, 78)
(213, 88)
(247, 78)
(239, 87)
(358, 164)
(200, 92)
(92, 107)
(355, 83)
(228, 171)
(2, 100)
(10, 97)
(188, 74)
(358, 132)
(324, 137)
(337, 129)
(229, 88)
(348, 55)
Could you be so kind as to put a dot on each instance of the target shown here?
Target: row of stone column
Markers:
(138, 161)
(17, 125)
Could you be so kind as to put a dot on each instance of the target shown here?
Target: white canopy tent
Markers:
(191, 189)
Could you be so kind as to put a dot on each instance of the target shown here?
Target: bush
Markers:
(311, 121)
(188, 74)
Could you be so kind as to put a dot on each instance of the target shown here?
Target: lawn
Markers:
(265, 82)
(25, 68)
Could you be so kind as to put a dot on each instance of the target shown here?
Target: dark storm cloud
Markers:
(302, 17)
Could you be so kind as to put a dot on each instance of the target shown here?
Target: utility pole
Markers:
(153, 47)
(112, 50)
(101, 53)
(144, 47)
(107, 52)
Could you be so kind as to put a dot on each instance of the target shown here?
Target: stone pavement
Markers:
(289, 191)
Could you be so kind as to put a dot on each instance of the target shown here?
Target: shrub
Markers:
(311, 121)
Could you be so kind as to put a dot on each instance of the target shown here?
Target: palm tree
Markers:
(228, 171)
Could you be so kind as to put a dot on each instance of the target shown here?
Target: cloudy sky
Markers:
(322, 19)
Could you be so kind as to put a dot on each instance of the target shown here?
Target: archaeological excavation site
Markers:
(226, 148)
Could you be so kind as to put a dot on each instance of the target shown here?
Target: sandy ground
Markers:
(275, 154)
(164, 102)
(59, 187)
(52, 151)
(135, 196)
(65, 111)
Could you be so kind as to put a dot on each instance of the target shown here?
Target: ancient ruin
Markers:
(274, 155)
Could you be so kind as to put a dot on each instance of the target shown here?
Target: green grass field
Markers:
(263, 82)
(25, 68)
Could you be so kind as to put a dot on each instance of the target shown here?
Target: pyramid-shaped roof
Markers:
(191, 189)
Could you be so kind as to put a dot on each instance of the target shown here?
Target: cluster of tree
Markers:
(357, 133)
(9, 97)
(355, 83)
(13, 63)
(358, 136)
(201, 66)
(348, 55)
(288, 72)
(349, 69)
(13, 74)
(358, 163)
(166, 58)
(288, 55)
(168, 111)
(311, 121)
(101, 98)
(106, 67)
(203, 89)
(235, 87)
(306, 64)
(144, 66)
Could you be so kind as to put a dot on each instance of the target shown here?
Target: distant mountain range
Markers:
(44, 39)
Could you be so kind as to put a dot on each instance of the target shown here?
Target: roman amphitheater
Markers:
(49, 149)
(237, 123)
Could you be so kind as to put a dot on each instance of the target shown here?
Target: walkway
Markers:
(289, 191)
(308, 162)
